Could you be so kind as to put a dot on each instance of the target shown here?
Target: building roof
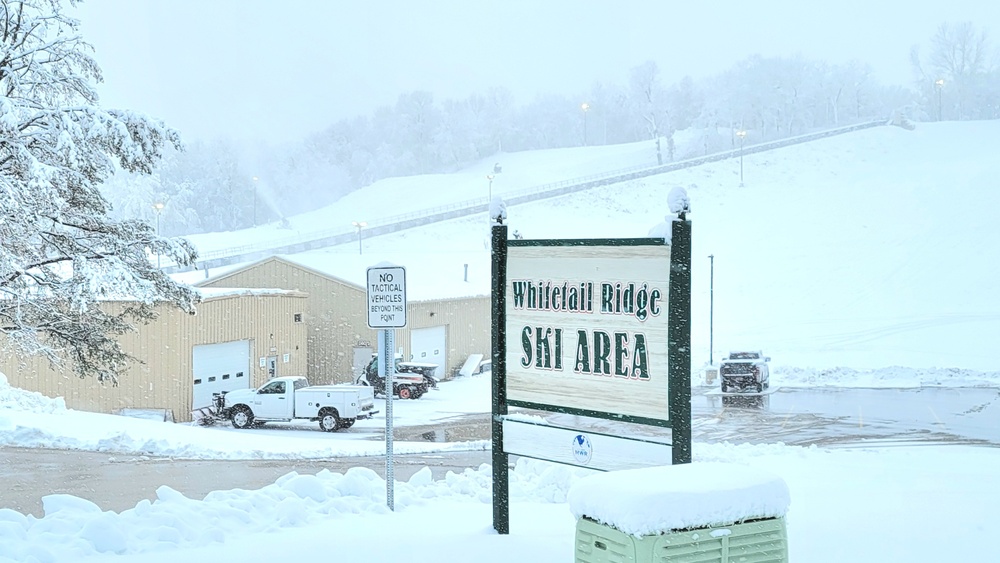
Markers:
(209, 293)
(430, 276)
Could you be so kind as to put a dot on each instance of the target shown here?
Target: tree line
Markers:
(217, 187)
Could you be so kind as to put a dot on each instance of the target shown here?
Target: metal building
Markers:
(237, 339)
(448, 316)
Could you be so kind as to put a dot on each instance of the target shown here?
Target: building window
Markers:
(298, 317)
(226, 376)
(239, 374)
(197, 381)
(211, 379)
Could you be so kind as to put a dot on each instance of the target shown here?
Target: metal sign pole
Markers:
(387, 310)
(387, 362)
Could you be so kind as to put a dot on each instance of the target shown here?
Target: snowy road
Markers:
(838, 416)
(851, 416)
(795, 416)
(830, 417)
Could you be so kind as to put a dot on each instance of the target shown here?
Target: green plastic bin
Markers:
(692, 513)
(759, 541)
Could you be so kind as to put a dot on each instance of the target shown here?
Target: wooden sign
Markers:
(586, 327)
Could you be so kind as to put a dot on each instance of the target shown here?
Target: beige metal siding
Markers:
(266, 320)
(468, 327)
(164, 380)
(335, 315)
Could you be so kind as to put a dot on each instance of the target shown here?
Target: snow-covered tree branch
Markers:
(61, 254)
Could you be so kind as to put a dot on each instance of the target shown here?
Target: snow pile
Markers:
(888, 377)
(175, 521)
(12, 398)
(107, 433)
(658, 500)
(26, 423)
(866, 494)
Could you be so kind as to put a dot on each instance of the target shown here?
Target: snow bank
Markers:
(174, 521)
(12, 398)
(889, 377)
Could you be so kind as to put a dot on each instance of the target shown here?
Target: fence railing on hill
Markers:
(378, 226)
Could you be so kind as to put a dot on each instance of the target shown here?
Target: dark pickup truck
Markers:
(410, 381)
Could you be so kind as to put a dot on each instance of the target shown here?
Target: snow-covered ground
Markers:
(865, 260)
(920, 504)
(520, 171)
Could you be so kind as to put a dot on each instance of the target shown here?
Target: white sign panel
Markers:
(387, 297)
(587, 328)
(580, 448)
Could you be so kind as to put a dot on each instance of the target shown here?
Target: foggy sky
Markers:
(276, 71)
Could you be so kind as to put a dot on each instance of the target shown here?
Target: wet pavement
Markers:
(831, 417)
(851, 416)
(117, 482)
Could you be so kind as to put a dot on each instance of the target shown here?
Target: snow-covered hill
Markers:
(873, 249)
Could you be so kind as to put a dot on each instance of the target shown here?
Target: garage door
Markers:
(429, 346)
(220, 367)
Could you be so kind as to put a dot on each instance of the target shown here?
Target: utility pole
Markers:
(359, 225)
(742, 134)
(254, 201)
(711, 306)
(940, 86)
(158, 207)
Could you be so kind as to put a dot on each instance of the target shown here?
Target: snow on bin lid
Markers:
(656, 500)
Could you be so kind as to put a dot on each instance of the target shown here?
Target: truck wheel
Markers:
(346, 422)
(405, 393)
(242, 417)
(760, 387)
(328, 420)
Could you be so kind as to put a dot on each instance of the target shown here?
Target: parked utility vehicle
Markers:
(410, 380)
(284, 399)
(745, 370)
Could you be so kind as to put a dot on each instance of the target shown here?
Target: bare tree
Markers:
(956, 69)
(651, 100)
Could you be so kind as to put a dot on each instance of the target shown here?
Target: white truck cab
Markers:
(745, 370)
(288, 398)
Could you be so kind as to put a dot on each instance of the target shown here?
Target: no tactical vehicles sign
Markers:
(387, 297)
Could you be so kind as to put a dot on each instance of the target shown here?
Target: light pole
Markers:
(711, 305)
(940, 86)
(254, 201)
(490, 178)
(742, 134)
(585, 107)
(359, 225)
(158, 207)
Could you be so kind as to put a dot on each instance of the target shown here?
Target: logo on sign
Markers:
(582, 449)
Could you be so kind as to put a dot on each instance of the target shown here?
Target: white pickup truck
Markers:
(284, 399)
(745, 370)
